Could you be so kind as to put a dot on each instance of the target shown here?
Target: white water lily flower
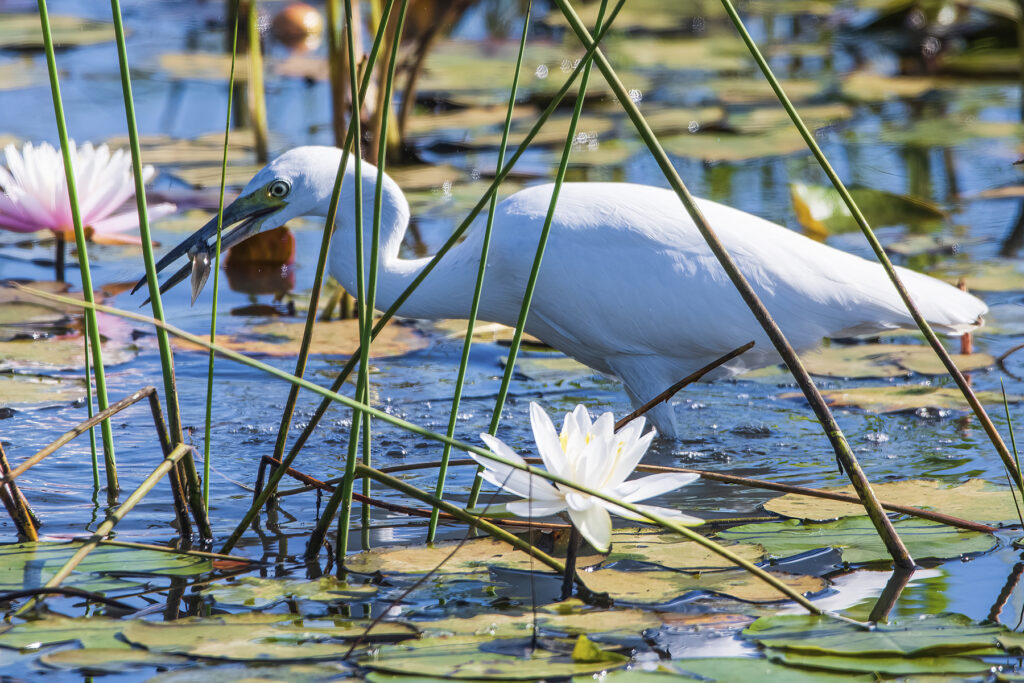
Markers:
(593, 455)
(34, 193)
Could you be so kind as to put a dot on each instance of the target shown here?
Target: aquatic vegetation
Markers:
(592, 454)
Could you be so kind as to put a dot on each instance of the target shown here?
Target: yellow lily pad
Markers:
(98, 661)
(51, 355)
(986, 276)
(570, 617)
(863, 361)
(22, 31)
(671, 550)
(895, 399)
(975, 499)
(659, 587)
(869, 86)
(554, 368)
(31, 390)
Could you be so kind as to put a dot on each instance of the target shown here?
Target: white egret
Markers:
(627, 286)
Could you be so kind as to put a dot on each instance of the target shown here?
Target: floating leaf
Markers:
(659, 587)
(708, 54)
(107, 568)
(427, 124)
(23, 73)
(259, 637)
(822, 212)
(881, 665)
(726, 670)
(721, 146)
(553, 132)
(482, 331)
(96, 661)
(570, 617)
(862, 361)
(462, 657)
(334, 338)
(975, 499)
(896, 399)
(868, 86)
(585, 651)
(857, 540)
(764, 119)
(237, 175)
(671, 550)
(52, 355)
(21, 31)
(427, 176)
(949, 131)
(258, 593)
(212, 672)
(915, 245)
(987, 276)
(550, 369)
(93, 632)
(23, 391)
(676, 120)
(736, 91)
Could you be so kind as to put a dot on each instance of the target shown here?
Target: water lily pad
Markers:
(864, 361)
(742, 91)
(721, 146)
(462, 657)
(570, 617)
(949, 131)
(107, 568)
(258, 593)
(21, 391)
(897, 399)
(713, 53)
(975, 499)
(671, 550)
(467, 119)
(550, 369)
(258, 637)
(726, 670)
(553, 132)
(215, 672)
(986, 276)
(857, 540)
(659, 587)
(334, 338)
(482, 331)
(52, 355)
(666, 120)
(97, 661)
(22, 73)
(22, 31)
(768, 118)
(868, 86)
(207, 176)
(93, 632)
(882, 665)
(822, 212)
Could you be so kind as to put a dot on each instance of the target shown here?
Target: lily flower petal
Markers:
(594, 525)
(653, 485)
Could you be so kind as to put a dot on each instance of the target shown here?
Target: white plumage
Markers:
(628, 285)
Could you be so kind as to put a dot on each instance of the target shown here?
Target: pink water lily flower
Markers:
(593, 455)
(34, 193)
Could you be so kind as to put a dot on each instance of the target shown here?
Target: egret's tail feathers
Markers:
(946, 308)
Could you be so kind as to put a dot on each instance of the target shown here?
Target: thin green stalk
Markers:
(360, 407)
(257, 93)
(1016, 456)
(114, 517)
(876, 246)
(321, 265)
(531, 283)
(365, 314)
(208, 426)
(153, 282)
(456, 236)
(92, 328)
(844, 454)
(88, 398)
(474, 308)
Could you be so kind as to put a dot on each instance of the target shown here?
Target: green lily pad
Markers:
(715, 53)
(213, 672)
(672, 551)
(97, 661)
(666, 120)
(868, 86)
(822, 212)
(988, 62)
(881, 665)
(986, 276)
(550, 369)
(258, 593)
(769, 118)
(659, 587)
(462, 657)
(864, 361)
(897, 399)
(857, 540)
(553, 132)
(94, 632)
(726, 670)
(259, 637)
(975, 499)
(107, 568)
(714, 146)
(949, 131)
(53, 355)
(570, 618)
(25, 391)
(817, 634)
(208, 176)
(745, 91)
(22, 31)
(467, 119)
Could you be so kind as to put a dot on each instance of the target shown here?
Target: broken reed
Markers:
(91, 327)
(194, 493)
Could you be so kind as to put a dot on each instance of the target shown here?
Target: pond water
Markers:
(949, 144)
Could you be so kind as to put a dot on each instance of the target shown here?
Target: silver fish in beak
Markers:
(248, 212)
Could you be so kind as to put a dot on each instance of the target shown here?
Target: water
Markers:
(744, 427)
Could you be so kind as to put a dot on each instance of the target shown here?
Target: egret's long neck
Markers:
(447, 290)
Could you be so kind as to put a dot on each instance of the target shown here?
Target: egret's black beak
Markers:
(248, 212)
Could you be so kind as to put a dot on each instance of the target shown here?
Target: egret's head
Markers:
(297, 183)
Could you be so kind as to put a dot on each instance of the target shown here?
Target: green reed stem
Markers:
(91, 326)
(321, 266)
(208, 425)
(844, 454)
(360, 407)
(876, 246)
(88, 398)
(455, 237)
(474, 308)
(257, 93)
(531, 283)
(1013, 489)
(153, 282)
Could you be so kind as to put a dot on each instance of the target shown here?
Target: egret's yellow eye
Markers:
(279, 189)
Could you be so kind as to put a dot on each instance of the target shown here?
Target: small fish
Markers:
(200, 257)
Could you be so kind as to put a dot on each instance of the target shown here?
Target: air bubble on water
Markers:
(541, 72)
(636, 96)
(446, 190)
(876, 437)
(693, 126)
(475, 174)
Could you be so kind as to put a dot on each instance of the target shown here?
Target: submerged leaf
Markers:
(975, 499)
(857, 540)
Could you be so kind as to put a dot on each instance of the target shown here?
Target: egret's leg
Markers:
(643, 381)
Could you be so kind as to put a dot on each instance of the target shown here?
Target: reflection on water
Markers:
(949, 145)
